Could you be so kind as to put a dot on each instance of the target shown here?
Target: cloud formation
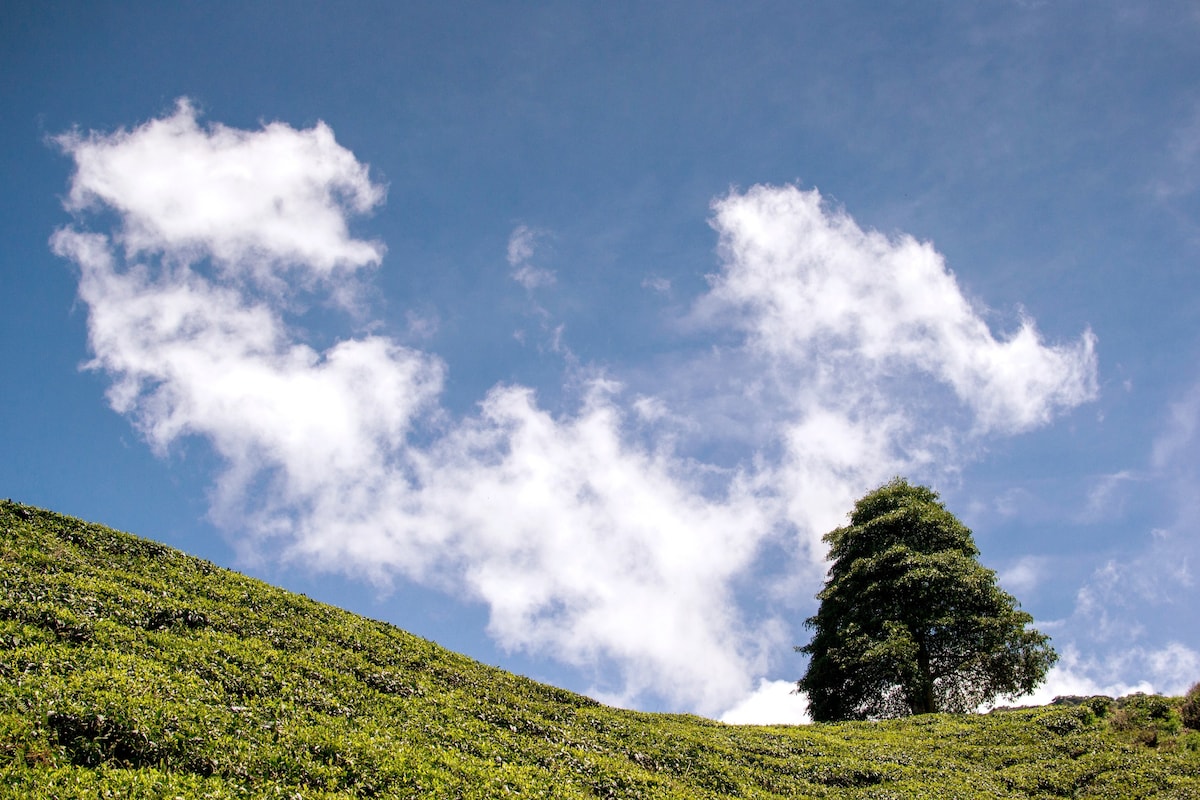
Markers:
(588, 534)
(775, 701)
(1169, 669)
(251, 201)
(521, 247)
(867, 353)
(814, 290)
(304, 434)
(1131, 605)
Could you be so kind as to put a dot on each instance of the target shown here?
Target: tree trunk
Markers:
(924, 701)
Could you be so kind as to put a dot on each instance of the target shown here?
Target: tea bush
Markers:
(128, 669)
(1189, 710)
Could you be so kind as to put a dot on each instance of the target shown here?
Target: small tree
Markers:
(909, 621)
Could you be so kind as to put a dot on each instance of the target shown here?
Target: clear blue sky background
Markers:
(672, 283)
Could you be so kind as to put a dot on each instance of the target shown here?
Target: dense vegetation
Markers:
(910, 622)
(128, 669)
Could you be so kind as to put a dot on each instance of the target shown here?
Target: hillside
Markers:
(128, 669)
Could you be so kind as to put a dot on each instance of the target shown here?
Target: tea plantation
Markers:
(128, 669)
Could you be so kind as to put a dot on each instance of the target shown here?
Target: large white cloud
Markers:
(587, 545)
(856, 308)
(278, 195)
(589, 535)
(878, 363)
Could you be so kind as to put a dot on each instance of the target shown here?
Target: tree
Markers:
(910, 622)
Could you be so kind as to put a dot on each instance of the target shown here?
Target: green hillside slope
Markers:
(128, 669)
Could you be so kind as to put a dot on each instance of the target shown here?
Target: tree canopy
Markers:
(910, 622)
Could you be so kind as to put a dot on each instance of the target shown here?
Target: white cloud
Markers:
(1133, 604)
(1023, 576)
(1106, 498)
(1119, 612)
(191, 358)
(1175, 443)
(422, 326)
(814, 290)
(252, 200)
(521, 247)
(1175, 549)
(1012, 501)
(1160, 574)
(1074, 676)
(602, 548)
(589, 535)
(772, 703)
(1180, 172)
(877, 365)
(582, 542)
(657, 283)
(831, 458)
(1168, 670)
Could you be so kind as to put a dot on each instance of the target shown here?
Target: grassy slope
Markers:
(128, 669)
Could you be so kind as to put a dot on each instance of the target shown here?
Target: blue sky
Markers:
(559, 333)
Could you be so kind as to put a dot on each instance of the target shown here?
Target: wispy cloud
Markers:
(1124, 605)
(1115, 605)
(1106, 498)
(593, 536)
(521, 248)
(1181, 171)
(1024, 576)
(1174, 444)
(657, 283)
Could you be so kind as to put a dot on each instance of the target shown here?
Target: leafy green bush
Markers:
(1098, 703)
(1150, 718)
(1189, 711)
(193, 681)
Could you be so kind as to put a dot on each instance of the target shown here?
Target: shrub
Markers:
(1067, 720)
(1189, 712)
(1148, 717)
(1146, 709)
(1098, 703)
(182, 690)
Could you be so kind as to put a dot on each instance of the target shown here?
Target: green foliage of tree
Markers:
(910, 622)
